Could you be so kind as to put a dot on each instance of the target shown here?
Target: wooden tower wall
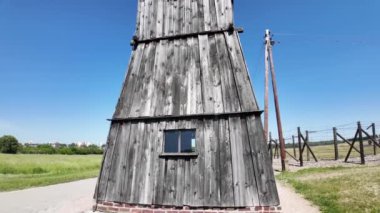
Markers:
(198, 81)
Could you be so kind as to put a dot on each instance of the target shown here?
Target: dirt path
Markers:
(76, 197)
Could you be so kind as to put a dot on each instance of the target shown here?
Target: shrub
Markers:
(9, 144)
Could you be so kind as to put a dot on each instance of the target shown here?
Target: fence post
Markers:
(300, 146)
(294, 147)
(335, 144)
(374, 137)
(362, 159)
(307, 150)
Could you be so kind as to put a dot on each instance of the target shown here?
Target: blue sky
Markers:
(62, 63)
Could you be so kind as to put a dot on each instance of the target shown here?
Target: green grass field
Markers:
(326, 152)
(338, 189)
(24, 171)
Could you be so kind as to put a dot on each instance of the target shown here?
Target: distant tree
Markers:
(9, 144)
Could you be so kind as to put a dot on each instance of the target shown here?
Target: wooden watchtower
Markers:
(187, 131)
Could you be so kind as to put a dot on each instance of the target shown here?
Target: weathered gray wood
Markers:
(225, 166)
(103, 179)
(199, 83)
(244, 87)
(231, 102)
(266, 184)
(238, 173)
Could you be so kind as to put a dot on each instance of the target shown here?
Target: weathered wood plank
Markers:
(147, 92)
(225, 165)
(198, 168)
(206, 79)
(213, 18)
(212, 172)
(243, 84)
(169, 79)
(102, 186)
(229, 13)
(214, 76)
(206, 14)
(266, 184)
(115, 183)
(125, 100)
(238, 172)
(231, 102)
(170, 180)
(251, 191)
(159, 167)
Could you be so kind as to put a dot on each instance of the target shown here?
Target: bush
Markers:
(9, 144)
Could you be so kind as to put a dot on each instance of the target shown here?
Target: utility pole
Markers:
(270, 64)
(266, 99)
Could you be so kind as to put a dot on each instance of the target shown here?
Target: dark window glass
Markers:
(188, 141)
(179, 141)
(171, 141)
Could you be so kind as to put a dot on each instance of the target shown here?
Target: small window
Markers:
(179, 141)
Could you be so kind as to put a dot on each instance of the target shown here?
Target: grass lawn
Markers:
(338, 189)
(24, 171)
(326, 152)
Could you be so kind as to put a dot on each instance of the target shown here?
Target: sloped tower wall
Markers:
(187, 71)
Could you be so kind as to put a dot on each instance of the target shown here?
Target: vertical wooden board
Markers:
(141, 97)
(201, 16)
(251, 191)
(168, 105)
(220, 14)
(213, 14)
(145, 186)
(198, 168)
(194, 16)
(198, 78)
(154, 150)
(123, 107)
(230, 96)
(181, 17)
(180, 182)
(159, 167)
(238, 171)
(160, 18)
(206, 78)
(214, 75)
(229, 12)
(158, 100)
(225, 166)
(183, 77)
(135, 99)
(103, 177)
(133, 155)
(267, 190)
(153, 19)
(141, 18)
(212, 172)
(139, 163)
(244, 87)
(171, 15)
(148, 91)
(187, 17)
(147, 16)
(176, 17)
(115, 182)
(206, 15)
(175, 87)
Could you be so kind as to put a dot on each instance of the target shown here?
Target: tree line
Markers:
(10, 145)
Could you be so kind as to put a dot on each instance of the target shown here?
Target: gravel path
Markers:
(76, 197)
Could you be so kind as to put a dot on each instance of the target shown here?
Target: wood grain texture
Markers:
(186, 80)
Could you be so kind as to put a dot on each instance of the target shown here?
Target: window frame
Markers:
(179, 153)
